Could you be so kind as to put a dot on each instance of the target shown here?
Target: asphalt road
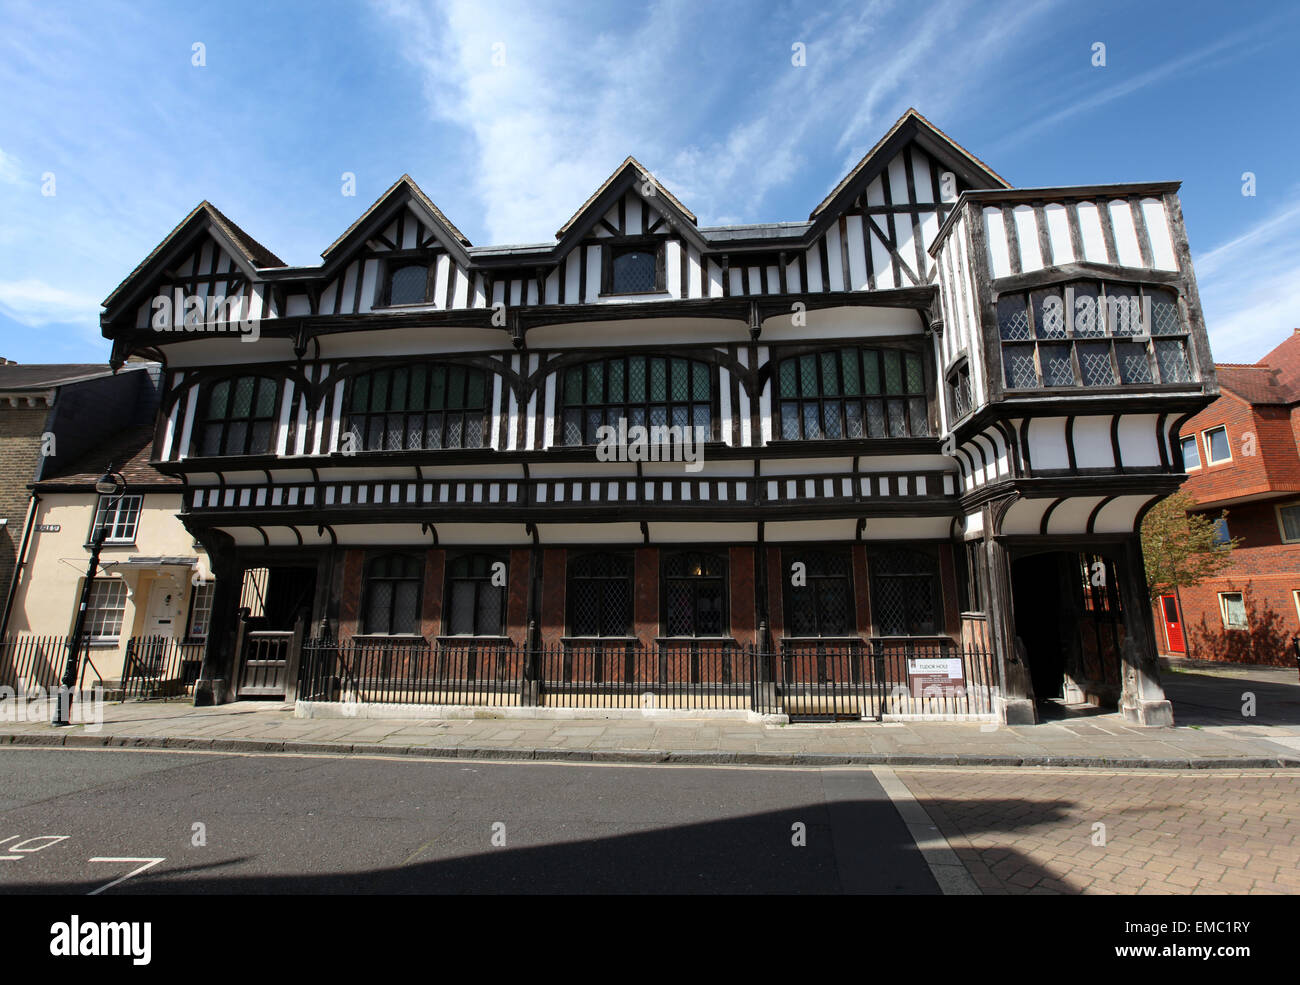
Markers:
(76, 822)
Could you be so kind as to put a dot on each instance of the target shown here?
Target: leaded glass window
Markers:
(418, 407)
(905, 592)
(1094, 335)
(600, 595)
(409, 284)
(959, 392)
(237, 416)
(476, 595)
(644, 391)
(392, 595)
(852, 393)
(695, 594)
(633, 271)
(820, 602)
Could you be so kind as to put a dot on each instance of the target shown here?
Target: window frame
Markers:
(571, 576)
(1196, 445)
(721, 556)
(100, 518)
(1102, 334)
(119, 586)
(429, 368)
(398, 260)
(1223, 610)
(369, 580)
(875, 576)
(790, 600)
(449, 592)
(209, 587)
(959, 376)
(613, 410)
(1281, 526)
(202, 421)
(610, 250)
(1209, 447)
(862, 400)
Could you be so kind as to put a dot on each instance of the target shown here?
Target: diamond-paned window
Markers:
(905, 592)
(695, 594)
(633, 270)
(392, 595)
(641, 390)
(409, 284)
(1105, 329)
(238, 417)
(820, 603)
(833, 394)
(420, 406)
(600, 595)
(476, 595)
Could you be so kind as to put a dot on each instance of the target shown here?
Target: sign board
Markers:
(47, 528)
(942, 673)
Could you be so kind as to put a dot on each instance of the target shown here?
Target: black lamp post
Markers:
(112, 485)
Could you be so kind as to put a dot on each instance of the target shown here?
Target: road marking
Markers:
(149, 863)
(949, 872)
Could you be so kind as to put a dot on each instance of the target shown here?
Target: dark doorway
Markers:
(1038, 601)
(274, 600)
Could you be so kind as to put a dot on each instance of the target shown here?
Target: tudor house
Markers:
(921, 396)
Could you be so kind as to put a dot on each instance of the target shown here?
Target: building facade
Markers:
(1242, 457)
(933, 413)
(152, 592)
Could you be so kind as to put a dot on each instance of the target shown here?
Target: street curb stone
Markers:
(636, 756)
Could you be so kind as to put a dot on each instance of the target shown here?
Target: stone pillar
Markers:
(1142, 700)
(215, 684)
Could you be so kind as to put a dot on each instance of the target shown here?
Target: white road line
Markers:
(949, 873)
(149, 864)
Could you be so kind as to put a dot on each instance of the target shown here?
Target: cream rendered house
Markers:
(148, 610)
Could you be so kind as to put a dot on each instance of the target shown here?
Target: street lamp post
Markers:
(112, 485)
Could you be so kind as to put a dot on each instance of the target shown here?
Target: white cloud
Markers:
(9, 171)
(34, 302)
(571, 101)
(1250, 286)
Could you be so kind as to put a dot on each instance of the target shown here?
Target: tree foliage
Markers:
(1178, 545)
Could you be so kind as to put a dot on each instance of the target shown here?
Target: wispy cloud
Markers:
(1250, 286)
(34, 302)
(9, 170)
(566, 101)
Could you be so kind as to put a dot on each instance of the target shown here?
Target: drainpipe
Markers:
(19, 562)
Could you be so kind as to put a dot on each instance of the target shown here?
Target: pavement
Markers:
(1236, 718)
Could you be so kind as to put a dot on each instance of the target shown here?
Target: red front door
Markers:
(1173, 625)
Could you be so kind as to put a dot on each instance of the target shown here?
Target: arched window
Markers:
(905, 592)
(237, 416)
(695, 594)
(852, 393)
(392, 594)
(423, 406)
(822, 604)
(476, 595)
(649, 391)
(600, 595)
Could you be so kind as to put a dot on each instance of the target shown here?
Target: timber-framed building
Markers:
(928, 400)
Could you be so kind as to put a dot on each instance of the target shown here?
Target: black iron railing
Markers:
(868, 679)
(152, 666)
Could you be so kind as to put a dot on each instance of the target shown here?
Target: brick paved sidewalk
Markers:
(1101, 740)
(1035, 831)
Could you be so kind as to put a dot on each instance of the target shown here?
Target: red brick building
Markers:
(1241, 456)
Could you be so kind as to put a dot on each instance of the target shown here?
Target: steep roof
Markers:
(639, 170)
(253, 253)
(1275, 379)
(128, 452)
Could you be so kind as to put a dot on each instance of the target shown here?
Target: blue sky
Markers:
(704, 93)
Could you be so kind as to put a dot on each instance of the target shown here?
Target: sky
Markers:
(117, 119)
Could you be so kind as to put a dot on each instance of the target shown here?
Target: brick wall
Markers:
(20, 452)
(1268, 463)
(744, 613)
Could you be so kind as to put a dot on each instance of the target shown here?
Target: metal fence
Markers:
(152, 666)
(868, 679)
